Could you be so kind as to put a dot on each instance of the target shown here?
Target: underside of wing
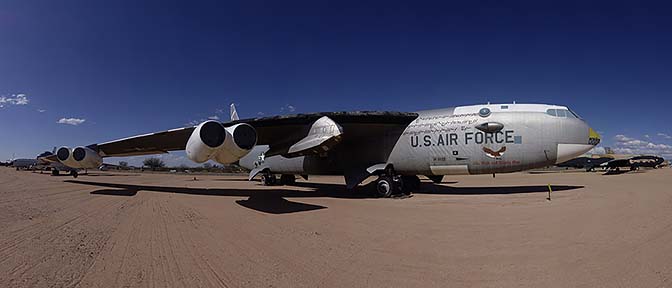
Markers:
(154, 143)
(290, 135)
(312, 133)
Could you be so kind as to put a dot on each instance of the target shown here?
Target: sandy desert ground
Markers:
(159, 230)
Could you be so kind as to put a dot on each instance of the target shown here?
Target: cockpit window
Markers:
(564, 113)
(574, 114)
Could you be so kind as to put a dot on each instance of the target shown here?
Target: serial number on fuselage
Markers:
(467, 138)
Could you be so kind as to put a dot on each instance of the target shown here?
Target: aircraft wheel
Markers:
(55, 172)
(287, 179)
(74, 173)
(268, 179)
(384, 186)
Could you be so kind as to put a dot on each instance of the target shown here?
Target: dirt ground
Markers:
(158, 230)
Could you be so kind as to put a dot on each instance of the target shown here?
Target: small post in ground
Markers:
(549, 192)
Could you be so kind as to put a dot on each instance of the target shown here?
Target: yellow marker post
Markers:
(549, 192)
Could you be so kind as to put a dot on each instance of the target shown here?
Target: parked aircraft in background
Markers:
(634, 163)
(395, 146)
(612, 161)
(586, 162)
(24, 163)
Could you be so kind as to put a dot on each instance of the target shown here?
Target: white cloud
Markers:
(261, 113)
(647, 136)
(41, 110)
(628, 145)
(214, 117)
(71, 121)
(14, 99)
(288, 108)
(664, 135)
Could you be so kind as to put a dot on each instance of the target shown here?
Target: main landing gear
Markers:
(269, 179)
(390, 184)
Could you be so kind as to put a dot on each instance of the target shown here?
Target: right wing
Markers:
(153, 143)
(281, 133)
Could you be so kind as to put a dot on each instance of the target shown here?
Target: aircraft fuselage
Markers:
(462, 140)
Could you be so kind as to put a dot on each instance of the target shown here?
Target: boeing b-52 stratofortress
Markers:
(395, 146)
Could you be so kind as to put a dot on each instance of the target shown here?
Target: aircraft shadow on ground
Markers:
(322, 190)
(427, 188)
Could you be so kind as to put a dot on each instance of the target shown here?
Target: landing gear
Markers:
(268, 179)
(55, 172)
(390, 184)
(74, 173)
(411, 183)
(287, 179)
(385, 186)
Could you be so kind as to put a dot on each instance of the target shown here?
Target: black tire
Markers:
(74, 173)
(55, 172)
(287, 179)
(268, 179)
(410, 184)
(385, 186)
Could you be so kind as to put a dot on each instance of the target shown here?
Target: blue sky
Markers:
(132, 67)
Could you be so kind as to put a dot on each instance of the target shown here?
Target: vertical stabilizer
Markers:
(234, 113)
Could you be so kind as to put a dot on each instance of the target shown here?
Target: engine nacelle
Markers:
(212, 141)
(64, 155)
(80, 157)
(87, 158)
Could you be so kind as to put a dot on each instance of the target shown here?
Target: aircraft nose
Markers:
(581, 145)
(593, 137)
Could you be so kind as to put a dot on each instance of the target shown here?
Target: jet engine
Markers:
(212, 141)
(80, 157)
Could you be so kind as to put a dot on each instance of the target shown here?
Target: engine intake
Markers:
(80, 157)
(212, 141)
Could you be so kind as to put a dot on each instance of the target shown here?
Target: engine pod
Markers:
(86, 158)
(205, 141)
(242, 140)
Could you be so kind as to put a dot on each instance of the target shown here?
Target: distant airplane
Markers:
(634, 163)
(586, 162)
(24, 163)
(394, 146)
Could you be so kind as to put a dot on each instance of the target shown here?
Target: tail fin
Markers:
(234, 113)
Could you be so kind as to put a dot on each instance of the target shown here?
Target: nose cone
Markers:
(588, 139)
(593, 137)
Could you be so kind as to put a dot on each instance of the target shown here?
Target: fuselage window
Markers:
(551, 112)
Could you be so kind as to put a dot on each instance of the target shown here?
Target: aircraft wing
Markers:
(286, 135)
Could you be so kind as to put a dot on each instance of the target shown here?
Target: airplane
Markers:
(24, 163)
(394, 146)
(634, 163)
(586, 162)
